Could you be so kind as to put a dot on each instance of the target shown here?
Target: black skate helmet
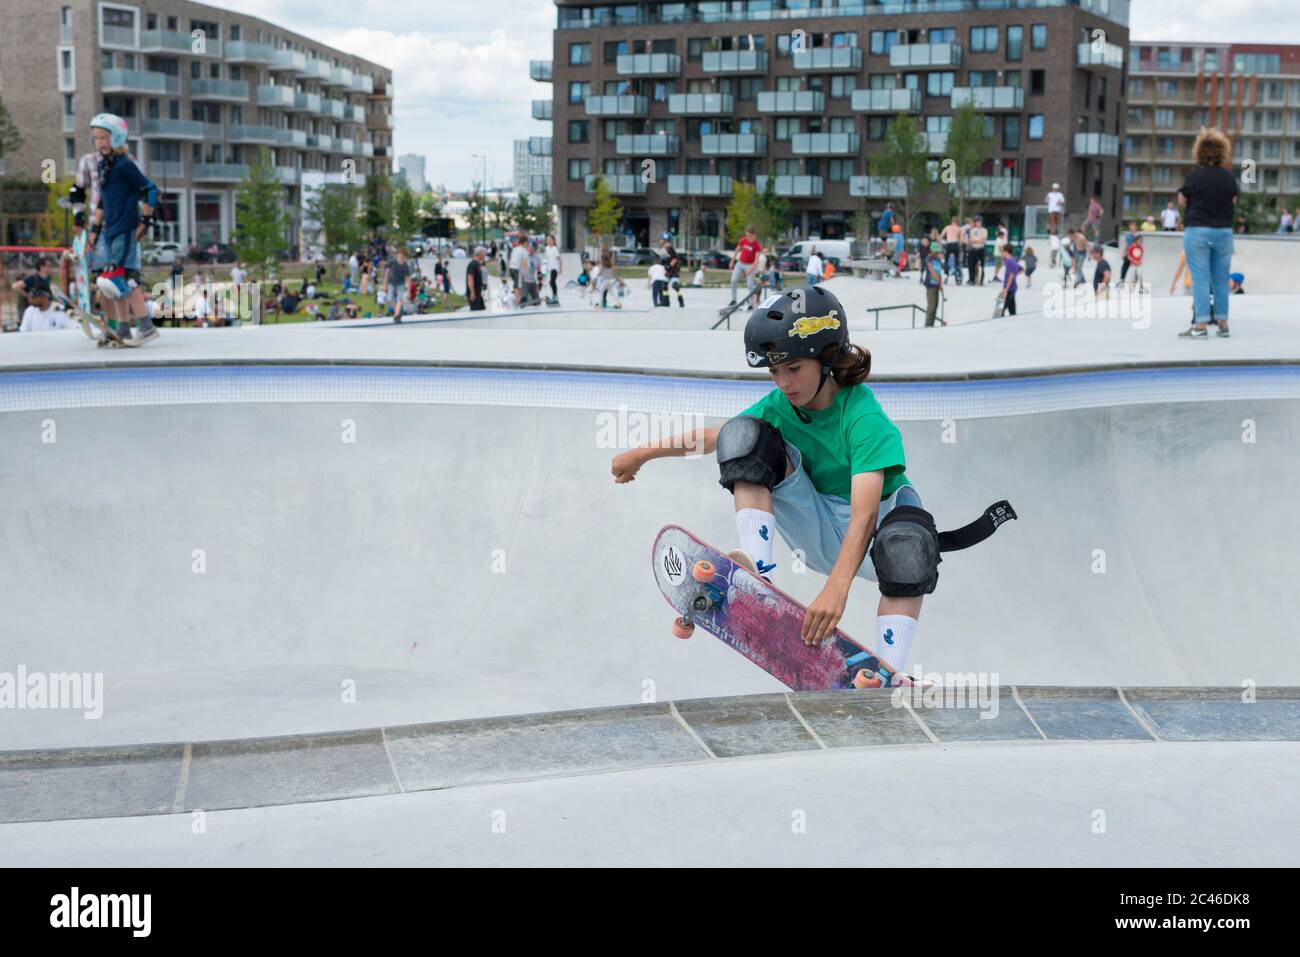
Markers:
(798, 324)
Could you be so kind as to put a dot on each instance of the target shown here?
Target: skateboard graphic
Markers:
(757, 619)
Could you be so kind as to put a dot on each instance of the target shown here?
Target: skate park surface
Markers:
(407, 538)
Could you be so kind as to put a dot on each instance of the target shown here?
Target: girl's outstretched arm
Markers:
(700, 441)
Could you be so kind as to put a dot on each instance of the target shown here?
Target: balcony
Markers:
(829, 58)
(287, 175)
(166, 41)
(647, 144)
(319, 69)
(735, 61)
(291, 61)
(340, 77)
(1091, 56)
(992, 187)
(363, 83)
(540, 70)
(693, 184)
(172, 129)
(542, 109)
(346, 146)
(356, 114)
(892, 102)
(989, 97)
(306, 102)
(281, 96)
(382, 91)
(320, 141)
(915, 55)
(219, 173)
(115, 36)
(733, 144)
(264, 135)
(797, 186)
(229, 91)
(701, 104)
(139, 81)
(335, 108)
(288, 137)
(1096, 144)
(368, 149)
(825, 144)
(796, 101)
(539, 146)
(160, 172)
(877, 187)
(608, 106)
(649, 64)
(238, 51)
(620, 184)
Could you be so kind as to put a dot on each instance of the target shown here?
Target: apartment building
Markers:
(1249, 90)
(719, 91)
(411, 165)
(203, 91)
(532, 166)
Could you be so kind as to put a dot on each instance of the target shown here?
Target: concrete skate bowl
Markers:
(259, 550)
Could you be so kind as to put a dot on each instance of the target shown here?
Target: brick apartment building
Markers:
(203, 90)
(713, 91)
(1249, 90)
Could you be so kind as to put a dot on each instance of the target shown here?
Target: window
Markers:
(1038, 36)
(1162, 174)
(579, 90)
(1035, 131)
(579, 169)
(613, 48)
(941, 35)
(1011, 78)
(882, 41)
(1169, 59)
(1033, 172)
(839, 170)
(783, 45)
(878, 126)
(747, 88)
(70, 150)
(984, 39)
(579, 54)
(1256, 63)
(1011, 133)
(938, 84)
(842, 87)
(1015, 43)
(1037, 82)
(983, 78)
(1167, 88)
(579, 131)
(1164, 117)
(1211, 61)
(786, 126)
(668, 45)
(841, 124)
(844, 39)
(695, 47)
(1138, 86)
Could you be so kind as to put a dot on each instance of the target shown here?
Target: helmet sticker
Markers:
(754, 358)
(769, 301)
(803, 328)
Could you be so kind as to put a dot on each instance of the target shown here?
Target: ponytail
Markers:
(852, 366)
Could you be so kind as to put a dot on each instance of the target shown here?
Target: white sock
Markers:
(894, 635)
(756, 529)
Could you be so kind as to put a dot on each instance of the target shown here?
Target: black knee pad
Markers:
(905, 553)
(750, 450)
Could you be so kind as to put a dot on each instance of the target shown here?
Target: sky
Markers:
(461, 66)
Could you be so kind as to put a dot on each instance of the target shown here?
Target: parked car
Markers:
(162, 254)
(832, 250)
(715, 259)
(640, 256)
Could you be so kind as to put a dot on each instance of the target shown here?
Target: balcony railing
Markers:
(275, 96)
(218, 90)
(935, 142)
(363, 83)
(162, 129)
(1096, 144)
(829, 58)
(319, 69)
(824, 144)
(346, 146)
(320, 141)
(989, 187)
(539, 146)
(734, 61)
(340, 76)
(159, 171)
(165, 41)
(1090, 55)
(265, 135)
(733, 144)
(292, 61)
(540, 70)
(240, 51)
(647, 144)
(696, 184)
(542, 109)
(290, 137)
(139, 81)
(307, 102)
(335, 108)
(887, 101)
(797, 186)
(649, 64)
(912, 55)
(877, 187)
(220, 172)
(989, 97)
(620, 184)
(797, 101)
(610, 106)
(368, 149)
(356, 114)
(701, 104)
(114, 36)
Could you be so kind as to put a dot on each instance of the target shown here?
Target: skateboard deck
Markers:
(757, 619)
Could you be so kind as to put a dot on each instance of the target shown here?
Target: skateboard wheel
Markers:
(703, 571)
(865, 679)
(683, 628)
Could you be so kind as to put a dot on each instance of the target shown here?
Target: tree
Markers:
(1251, 205)
(543, 217)
(743, 210)
(260, 221)
(904, 162)
(54, 225)
(501, 212)
(405, 211)
(333, 208)
(11, 141)
(477, 212)
(523, 214)
(969, 148)
(378, 213)
(604, 214)
(773, 213)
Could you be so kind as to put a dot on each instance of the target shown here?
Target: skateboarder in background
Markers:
(818, 460)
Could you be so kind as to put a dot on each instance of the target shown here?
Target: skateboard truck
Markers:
(705, 597)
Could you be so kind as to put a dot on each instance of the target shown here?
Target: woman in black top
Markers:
(1209, 194)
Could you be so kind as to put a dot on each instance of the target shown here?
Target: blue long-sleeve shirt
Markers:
(120, 198)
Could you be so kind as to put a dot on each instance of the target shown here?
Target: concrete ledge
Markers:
(179, 777)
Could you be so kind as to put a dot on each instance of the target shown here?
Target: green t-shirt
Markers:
(853, 435)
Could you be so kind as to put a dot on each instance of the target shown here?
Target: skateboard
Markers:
(999, 307)
(93, 326)
(717, 592)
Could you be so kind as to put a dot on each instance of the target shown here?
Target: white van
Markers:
(837, 249)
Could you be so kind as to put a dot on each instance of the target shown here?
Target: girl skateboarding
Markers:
(818, 460)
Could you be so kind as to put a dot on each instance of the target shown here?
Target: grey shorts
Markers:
(814, 523)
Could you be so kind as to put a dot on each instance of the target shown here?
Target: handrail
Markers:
(724, 315)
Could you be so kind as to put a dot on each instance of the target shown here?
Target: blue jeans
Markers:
(1209, 258)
